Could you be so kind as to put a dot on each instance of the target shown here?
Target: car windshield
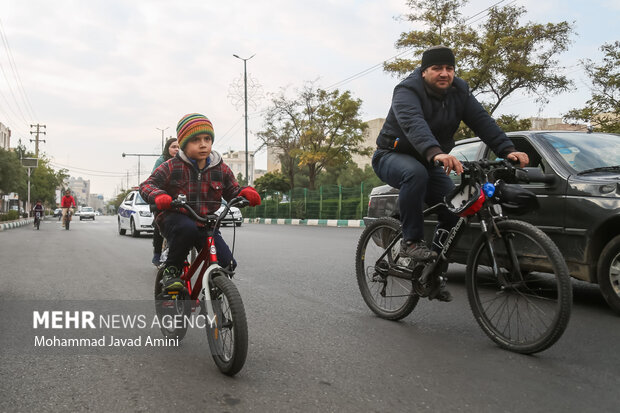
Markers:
(87, 209)
(139, 200)
(586, 151)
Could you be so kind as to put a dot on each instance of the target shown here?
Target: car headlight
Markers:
(146, 214)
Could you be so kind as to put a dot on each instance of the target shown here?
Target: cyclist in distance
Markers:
(200, 174)
(170, 150)
(427, 108)
(38, 208)
(66, 202)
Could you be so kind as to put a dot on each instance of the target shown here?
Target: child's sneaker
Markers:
(156, 260)
(171, 279)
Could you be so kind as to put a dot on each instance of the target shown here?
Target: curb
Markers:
(307, 222)
(14, 224)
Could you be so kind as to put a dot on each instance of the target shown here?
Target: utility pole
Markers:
(245, 95)
(162, 137)
(36, 140)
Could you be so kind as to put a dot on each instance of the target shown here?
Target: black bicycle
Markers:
(517, 281)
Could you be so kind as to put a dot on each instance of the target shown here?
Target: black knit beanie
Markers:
(437, 55)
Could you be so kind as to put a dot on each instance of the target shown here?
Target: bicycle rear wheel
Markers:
(387, 296)
(170, 308)
(525, 308)
(227, 332)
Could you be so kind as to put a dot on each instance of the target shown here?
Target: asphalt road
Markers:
(314, 345)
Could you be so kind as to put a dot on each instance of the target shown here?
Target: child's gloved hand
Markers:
(251, 195)
(163, 201)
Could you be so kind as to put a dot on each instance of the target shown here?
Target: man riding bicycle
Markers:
(65, 203)
(427, 108)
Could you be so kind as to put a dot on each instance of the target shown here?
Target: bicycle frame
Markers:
(486, 218)
(206, 262)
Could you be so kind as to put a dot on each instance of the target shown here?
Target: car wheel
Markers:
(134, 233)
(80, 218)
(238, 224)
(609, 273)
(121, 231)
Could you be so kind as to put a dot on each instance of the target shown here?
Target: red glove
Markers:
(251, 195)
(163, 201)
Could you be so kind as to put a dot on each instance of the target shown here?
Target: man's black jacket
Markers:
(422, 123)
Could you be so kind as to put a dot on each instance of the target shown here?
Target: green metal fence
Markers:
(327, 202)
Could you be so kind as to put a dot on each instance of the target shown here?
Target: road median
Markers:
(307, 222)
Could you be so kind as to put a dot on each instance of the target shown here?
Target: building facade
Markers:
(5, 137)
(236, 161)
(80, 189)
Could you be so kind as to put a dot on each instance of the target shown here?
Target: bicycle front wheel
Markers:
(519, 287)
(227, 329)
(387, 296)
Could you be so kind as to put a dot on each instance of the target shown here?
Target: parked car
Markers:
(87, 213)
(579, 209)
(57, 212)
(134, 215)
(234, 215)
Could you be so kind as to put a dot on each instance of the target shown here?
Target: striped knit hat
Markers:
(192, 125)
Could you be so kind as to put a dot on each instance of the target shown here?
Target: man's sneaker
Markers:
(418, 251)
(156, 259)
(171, 279)
(442, 293)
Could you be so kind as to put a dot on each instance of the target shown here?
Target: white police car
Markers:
(134, 215)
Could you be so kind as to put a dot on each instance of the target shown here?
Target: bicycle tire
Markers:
(227, 334)
(171, 307)
(400, 300)
(537, 301)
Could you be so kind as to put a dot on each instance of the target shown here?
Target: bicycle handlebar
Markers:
(484, 166)
(181, 203)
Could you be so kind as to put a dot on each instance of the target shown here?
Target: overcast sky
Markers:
(104, 75)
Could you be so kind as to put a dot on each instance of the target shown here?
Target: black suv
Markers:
(579, 209)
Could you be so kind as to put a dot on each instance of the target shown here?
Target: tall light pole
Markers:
(245, 98)
(162, 137)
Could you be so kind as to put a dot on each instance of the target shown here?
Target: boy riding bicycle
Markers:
(200, 174)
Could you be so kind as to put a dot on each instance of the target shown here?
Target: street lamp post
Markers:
(162, 137)
(245, 95)
(138, 155)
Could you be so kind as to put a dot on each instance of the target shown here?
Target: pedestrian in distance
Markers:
(170, 150)
(418, 134)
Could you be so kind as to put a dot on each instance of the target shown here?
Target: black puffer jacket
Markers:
(423, 124)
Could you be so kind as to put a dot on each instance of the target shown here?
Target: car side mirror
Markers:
(534, 174)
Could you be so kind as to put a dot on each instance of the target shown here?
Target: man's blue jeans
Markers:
(182, 234)
(418, 185)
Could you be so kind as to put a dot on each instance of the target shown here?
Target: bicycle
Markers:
(517, 281)
(66, 219)
(37, 219)
(213, 295)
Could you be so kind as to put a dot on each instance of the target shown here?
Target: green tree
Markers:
(10, 171)
(508, 123)
(119, 198)
(272, 181)
(316, 129)
(350, 175)
(241, 179)
(44, 181)
(602, 110)
(498, 58)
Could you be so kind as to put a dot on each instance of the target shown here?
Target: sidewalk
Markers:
(14, 224)
(314, 222)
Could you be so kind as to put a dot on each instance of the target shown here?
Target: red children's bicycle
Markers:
(213, 296)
